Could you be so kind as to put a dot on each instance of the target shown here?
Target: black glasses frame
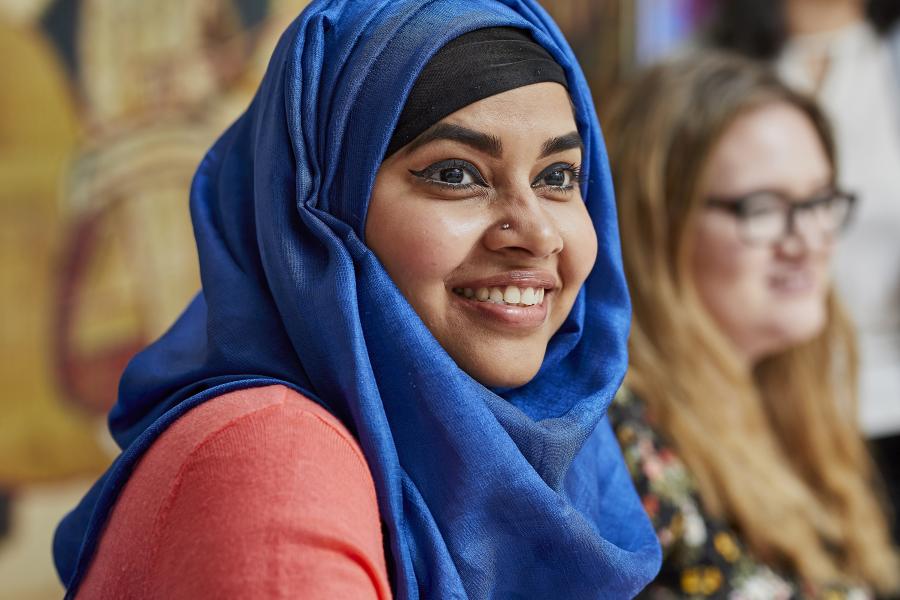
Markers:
(740, 207)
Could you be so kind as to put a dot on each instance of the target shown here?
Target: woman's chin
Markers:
(499, 375)
(790, 333)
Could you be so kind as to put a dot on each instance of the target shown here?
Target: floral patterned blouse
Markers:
(702, 557)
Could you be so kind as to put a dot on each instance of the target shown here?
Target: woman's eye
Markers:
(762, 206)
(557, 178)
(561, 176)
(762, 211)
(452, 174)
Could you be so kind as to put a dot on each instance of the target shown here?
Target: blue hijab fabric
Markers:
(518, 493)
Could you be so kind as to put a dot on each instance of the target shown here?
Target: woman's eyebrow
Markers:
(484, 142)
(562, 143)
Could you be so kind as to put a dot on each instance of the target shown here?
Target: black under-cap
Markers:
(472, 67)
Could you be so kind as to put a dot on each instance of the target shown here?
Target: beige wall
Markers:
(96, 251)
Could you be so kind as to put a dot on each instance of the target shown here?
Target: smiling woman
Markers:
(737, 422)
(395, 378)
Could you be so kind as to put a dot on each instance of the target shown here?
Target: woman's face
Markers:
(769, 296)
(481, 224)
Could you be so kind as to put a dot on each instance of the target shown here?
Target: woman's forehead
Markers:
(538, 114)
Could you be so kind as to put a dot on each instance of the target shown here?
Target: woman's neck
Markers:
(821, 16)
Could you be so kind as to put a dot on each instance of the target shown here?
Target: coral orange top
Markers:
(259, 493)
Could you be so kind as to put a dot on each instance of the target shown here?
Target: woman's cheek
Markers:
(433, 246)
(581, 245)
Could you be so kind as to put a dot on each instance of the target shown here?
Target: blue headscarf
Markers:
(517, 493)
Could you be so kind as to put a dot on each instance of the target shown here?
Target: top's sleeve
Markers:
(275, 500)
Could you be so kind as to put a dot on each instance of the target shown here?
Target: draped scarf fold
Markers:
(514, 493)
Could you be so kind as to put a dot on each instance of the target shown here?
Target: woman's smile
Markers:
(516, 300)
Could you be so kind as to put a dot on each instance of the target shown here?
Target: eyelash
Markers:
(573, 169)
(428, 172)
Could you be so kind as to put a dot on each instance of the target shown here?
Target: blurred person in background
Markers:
(847, 52)
(737, 419)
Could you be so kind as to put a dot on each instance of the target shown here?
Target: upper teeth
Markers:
(508, 295)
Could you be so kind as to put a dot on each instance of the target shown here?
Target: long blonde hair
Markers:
(775, 451)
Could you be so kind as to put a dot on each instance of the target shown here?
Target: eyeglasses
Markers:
(765, 217)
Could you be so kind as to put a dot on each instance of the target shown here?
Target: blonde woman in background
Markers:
(738, 415)
(847, 53)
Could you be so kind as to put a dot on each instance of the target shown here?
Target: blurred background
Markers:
(106, 107)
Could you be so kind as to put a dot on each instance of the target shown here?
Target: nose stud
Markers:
(505, 226)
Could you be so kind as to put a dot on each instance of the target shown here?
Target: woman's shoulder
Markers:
(255, 430)
(661, 478)
(251, 481)
(702, 556)
(245, 410)
(252, 427)
(648, 453)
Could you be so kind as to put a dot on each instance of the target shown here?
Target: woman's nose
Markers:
(525, 226)
(805, 234)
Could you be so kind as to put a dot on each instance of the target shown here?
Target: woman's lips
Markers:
(515, 298)
(510, 315)
(799, 282)
(532, 278)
